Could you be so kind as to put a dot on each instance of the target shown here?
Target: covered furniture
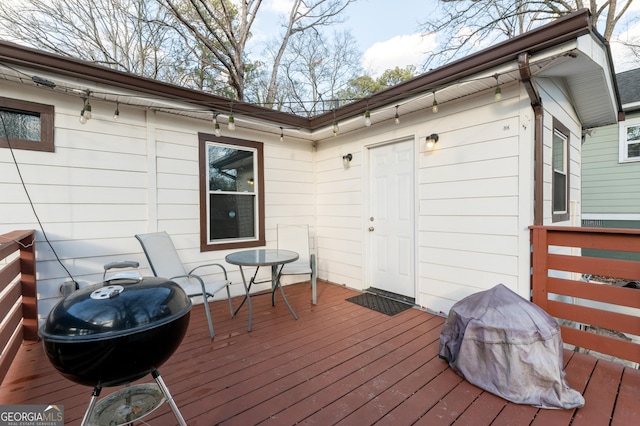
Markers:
(165, 262)
(508, 346)
(296, 238)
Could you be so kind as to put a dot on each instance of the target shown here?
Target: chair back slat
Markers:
(161, 254)
(295, 238)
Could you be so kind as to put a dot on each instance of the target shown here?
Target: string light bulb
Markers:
(498, 92)
(84, 115)
(434, 106)
(281, 135)
(397, 117)
(87, 110)
(216, 126)
(336, 129)
(116, 113)
(231, 125)
(367, 118)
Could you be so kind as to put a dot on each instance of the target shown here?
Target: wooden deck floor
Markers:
(338, 364)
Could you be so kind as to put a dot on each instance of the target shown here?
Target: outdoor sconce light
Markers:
(346, 159)
(432, 139)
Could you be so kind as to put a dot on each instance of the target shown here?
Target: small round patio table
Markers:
(258, 258)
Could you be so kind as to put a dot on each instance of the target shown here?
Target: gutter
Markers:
(538, 143)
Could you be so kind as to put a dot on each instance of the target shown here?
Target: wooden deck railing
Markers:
(559, 286)
(18, 297)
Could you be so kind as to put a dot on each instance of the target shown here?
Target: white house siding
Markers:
(557, 104)
(473, 207)
(475, 200)
(339, 212)
(107, 181)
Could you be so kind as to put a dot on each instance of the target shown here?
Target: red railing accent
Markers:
(18, 296)
(559, 287)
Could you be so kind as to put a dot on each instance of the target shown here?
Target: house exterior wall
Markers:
(610, 189)
(107, 181)
(474, 194)
(556, 103)
(611, 194)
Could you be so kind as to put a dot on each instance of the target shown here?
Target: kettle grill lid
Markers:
(114, 308)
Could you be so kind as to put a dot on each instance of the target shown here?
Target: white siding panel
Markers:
(474, 188)
(470, 224)
(483, 243)
(494, 206)
(486, 169)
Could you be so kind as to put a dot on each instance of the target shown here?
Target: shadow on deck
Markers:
(339, 363)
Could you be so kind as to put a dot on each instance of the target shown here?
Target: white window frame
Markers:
(562, 132)
(624, 143)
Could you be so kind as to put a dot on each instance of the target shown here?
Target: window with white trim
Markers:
(629, 140)
(231, 193)
(561, 172)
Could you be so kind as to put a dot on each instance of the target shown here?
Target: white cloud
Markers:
(623, 58)
(398, 51)
(278, 6)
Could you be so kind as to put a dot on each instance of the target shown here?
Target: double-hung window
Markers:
(26, 125)
(231, 193)
(629, 140)
(561, 173)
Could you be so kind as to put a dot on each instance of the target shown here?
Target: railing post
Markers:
(28, 283)
(540, 267)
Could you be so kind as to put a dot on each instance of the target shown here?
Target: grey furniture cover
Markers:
(510, 347)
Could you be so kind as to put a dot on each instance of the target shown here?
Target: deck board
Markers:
(339, 363)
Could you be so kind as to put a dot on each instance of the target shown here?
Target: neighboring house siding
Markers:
(611, 193)
(610, 188)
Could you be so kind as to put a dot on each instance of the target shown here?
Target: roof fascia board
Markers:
(82, 70)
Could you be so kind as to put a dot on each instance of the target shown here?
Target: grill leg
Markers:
(92, 403)
(156, 375)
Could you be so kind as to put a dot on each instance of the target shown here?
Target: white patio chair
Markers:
(296, 238)
(165, 262)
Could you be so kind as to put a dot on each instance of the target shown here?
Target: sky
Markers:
(387, 31)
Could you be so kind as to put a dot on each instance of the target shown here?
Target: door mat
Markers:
(380, 304)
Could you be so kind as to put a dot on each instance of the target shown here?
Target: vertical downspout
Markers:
(536, 104)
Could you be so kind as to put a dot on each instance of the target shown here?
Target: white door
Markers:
(390, 218)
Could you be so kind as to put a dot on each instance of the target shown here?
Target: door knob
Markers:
(371, 229)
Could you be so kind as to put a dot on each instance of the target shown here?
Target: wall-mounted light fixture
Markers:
(346, 159)
(432, 139)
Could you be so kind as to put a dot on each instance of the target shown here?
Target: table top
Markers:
(261, 257)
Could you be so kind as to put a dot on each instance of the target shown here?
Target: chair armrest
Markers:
(122, 264)
(210, 264)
